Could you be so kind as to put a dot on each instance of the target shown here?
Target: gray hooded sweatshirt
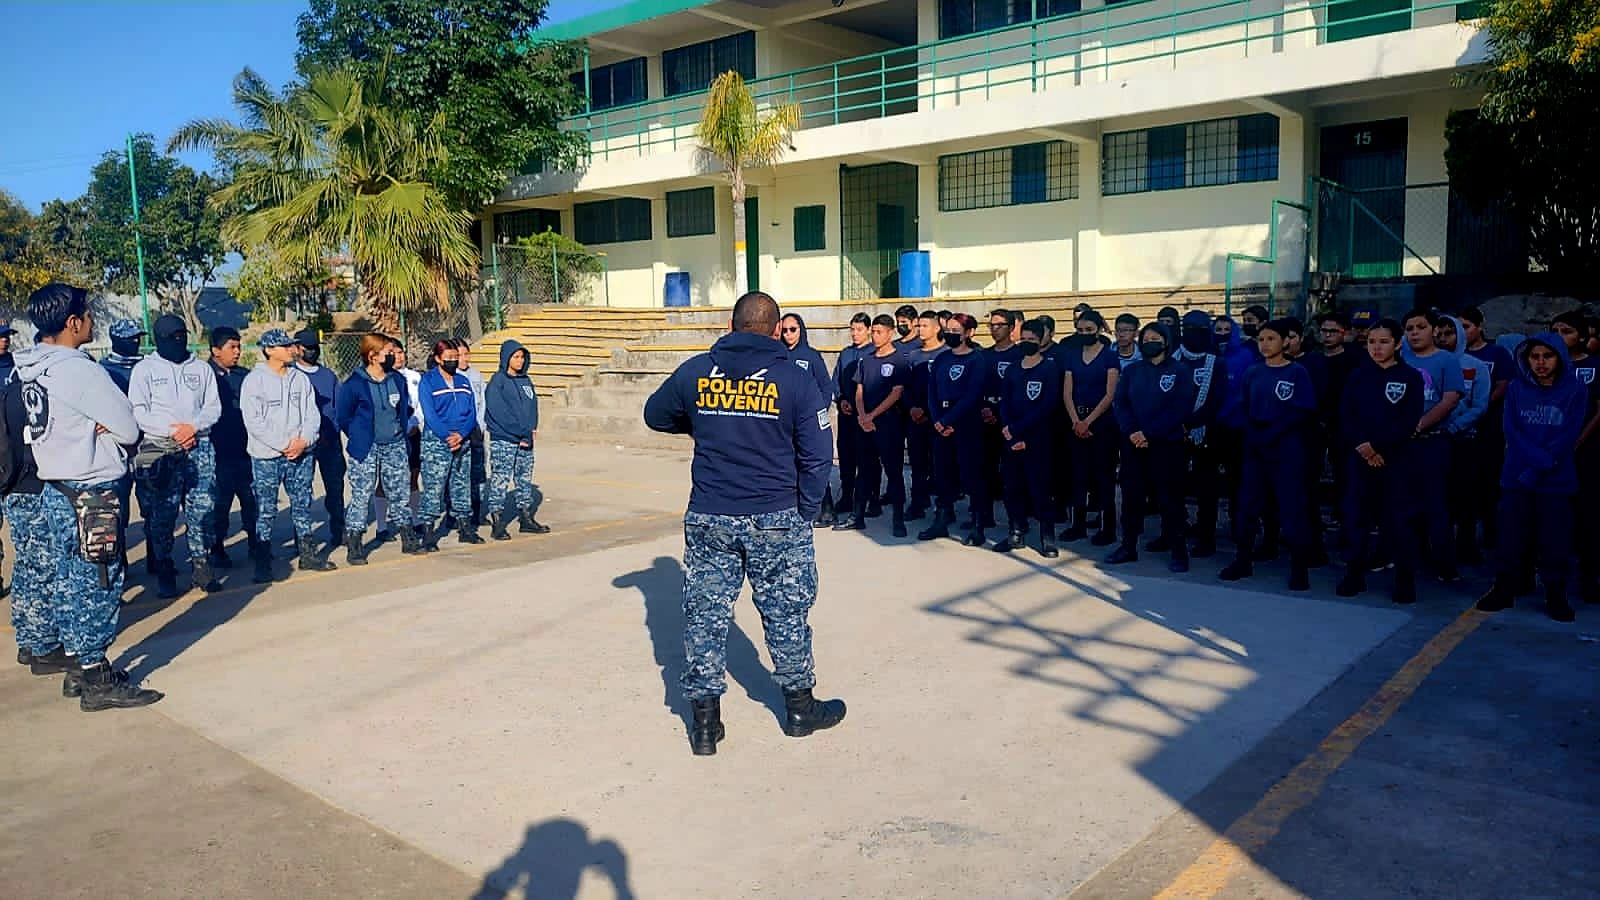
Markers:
(277, 409)
(67, 395)
(164, 395)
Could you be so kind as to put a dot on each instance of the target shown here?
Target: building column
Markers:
(1086, 247)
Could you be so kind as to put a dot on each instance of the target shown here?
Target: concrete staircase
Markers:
(594, 368)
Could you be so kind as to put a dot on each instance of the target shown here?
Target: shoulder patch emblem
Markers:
(956, 371)
(1394, 391)
(1285, 390)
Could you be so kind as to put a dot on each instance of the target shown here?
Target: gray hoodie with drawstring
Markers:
(67, 397)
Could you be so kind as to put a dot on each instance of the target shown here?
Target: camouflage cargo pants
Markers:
(188, 478)
(389, 464)
(33, 615)
(775, 552)
(440, 467)
(510, 470)
(295, 476)
(86, 612)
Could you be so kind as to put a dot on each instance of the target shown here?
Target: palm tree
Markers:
(330, 167)
(733, 131)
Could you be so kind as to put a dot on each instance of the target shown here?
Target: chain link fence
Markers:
(538, 270)
(464, 318)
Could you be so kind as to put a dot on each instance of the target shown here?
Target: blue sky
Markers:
(76, 77)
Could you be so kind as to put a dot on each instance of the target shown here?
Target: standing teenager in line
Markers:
(1314, 430)
(513, 420)
(858, 462)
(477, 441)
(372, 410)
(1004, 328)
(1545, 409)
(449, 414)
(1497, 367)
(881, 382)
(1279, 398)
(1443, 389)
(1198, 352)
(234, 477)
(1088, 388)
(1572, 328)
(329, 451)
(281, 424)
(919, 427)
(1382, 403)
(1029, 397)
(1155, 398)
(1334, 332)
(955, 393)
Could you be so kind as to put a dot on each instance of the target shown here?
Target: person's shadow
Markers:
(551, 861)
(662, 587)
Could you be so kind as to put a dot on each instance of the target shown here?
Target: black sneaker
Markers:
(1103, 538)
(1238, 570)
(1123, 554)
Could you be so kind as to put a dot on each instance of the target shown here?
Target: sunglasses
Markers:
(791, 331)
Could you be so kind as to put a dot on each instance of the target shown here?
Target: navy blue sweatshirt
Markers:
(762, 439)
(1208, 370)
(844, 373)
(1279, 401)
(511, 404)
(227, 436)
(955, 389)
(326, 384)
(996, 364)
(806, 357)
(1316, 365)
(919, 361)
(1155, 399)
(1542, 425)
(1381, 407)
(360, 403)
(1029, 399)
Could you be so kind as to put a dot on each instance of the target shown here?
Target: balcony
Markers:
(1106, 44)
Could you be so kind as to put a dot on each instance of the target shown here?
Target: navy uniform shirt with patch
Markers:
(1028, 399)
(1157, 399)
(1588, 372)
(1278, 402)
(878, 375)
(996, 364)
(1089, 378)
(955, 388)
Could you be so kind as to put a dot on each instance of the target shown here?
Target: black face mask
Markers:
(1029, 348)
(1251, 331)
(125, 346)
(1196, 341)
(903, 329)
(951, 339)
(310, 355)
(1152, 349)
(387, 362)
(449, 366)
(174, 349)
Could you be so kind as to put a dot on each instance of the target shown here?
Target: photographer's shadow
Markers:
(662, 587)
(551, 861)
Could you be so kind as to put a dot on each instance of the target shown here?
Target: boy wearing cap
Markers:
(281, 423)
(175, 402)
(329, 452)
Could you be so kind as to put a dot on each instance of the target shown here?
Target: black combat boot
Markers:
(468, 533)
(166, 580)
(497, 526)
(1354, 582)
(1159, 544)
(527, 524)
(309, 560)
(825, 515)
(1179, 562)
(72, 683)
(202, 577)
(805, 714)
(1126, 552)
(874, 509)
(940, 528)
(1047, 543)
(53, 663)
(105, 688)
(355, 549)
(1242, 567)
(219, 557)
(410, 544)
(707, 729)
(975, 537)
(1555, 602)
(1299, 577)
(429, 535)
(1015, 539)
(898, 528)
(1078, 530)
(261, 554)
(1499, 596)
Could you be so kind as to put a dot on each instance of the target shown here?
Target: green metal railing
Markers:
(1037, 55)
(1274, 257)
(517, 275)
(1372, 243)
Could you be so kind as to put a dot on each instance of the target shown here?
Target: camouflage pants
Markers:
(33, 614)
(86, 613)
(188, 478)
(439, 468)
(774, 550)
(390, 464)
(295, 476)
(510, 469)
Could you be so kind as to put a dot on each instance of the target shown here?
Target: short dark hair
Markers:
(905, 311)
(1421, 313)
(1127, 319)
(224, 333)
(1472, 314)
(52, 305)
(1573, 317)
(1048, 322)
(756, 313)
(1012, 316)
(1294, 325)
(1395, 329)
(929, 314)
(1257, 310)
(1037, 326)
(1088, 312)
(885, 320)
(946, 314)
(1338, 318)
(863, 318)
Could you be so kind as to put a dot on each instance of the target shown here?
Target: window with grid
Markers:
(1219, 151)
(617, 84)
(526, 223)
(959, 17)
(611, 221)
(810, 231)
(691, 213)
(691, 68)
(1008, 176)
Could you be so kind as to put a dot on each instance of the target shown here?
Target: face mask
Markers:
(1196, 341)
(173, 349)
(1029, 348)
(903, 329)
(449, 366)
(1251, 331)
(1152, 349)
(309, 355)
(387, 362)
(951, 339)
(125, 346)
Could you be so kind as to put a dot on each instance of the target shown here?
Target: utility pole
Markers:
(138, 239)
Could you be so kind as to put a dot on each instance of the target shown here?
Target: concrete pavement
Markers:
(505, 719)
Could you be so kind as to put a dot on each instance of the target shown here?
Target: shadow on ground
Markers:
(551, 861)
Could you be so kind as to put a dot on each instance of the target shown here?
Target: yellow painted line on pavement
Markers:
(1229, 855)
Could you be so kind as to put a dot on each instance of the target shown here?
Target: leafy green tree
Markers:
(273, 286)
(331, 166)
(1530, 146)
(28, 259)
(471, 61)
(735, 133)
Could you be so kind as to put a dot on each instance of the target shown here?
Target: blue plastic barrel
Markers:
(676, 290)
(916, 274)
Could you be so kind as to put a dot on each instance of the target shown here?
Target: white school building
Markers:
(1027, 146)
